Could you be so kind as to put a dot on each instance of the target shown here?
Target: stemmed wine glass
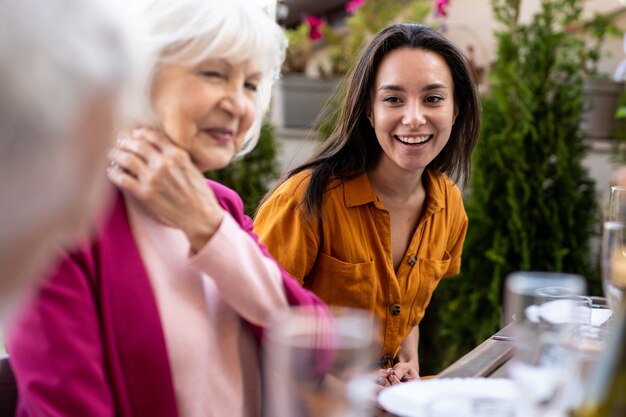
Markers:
(614, 262)
(614, 248)
(617, 204)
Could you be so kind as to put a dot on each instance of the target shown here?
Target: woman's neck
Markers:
(389, 180)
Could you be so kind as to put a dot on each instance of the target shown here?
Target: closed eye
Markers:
(212, 74)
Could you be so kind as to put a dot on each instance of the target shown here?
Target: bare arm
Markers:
(407, 368)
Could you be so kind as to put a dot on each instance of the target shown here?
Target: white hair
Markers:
(57, 57)
(188, 32)
(53, 55)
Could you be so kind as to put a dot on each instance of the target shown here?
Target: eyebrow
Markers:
(229, 64)
(429, 87)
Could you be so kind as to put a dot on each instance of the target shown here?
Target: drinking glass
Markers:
(614, 262)
(587, 344)
(320, 363)
(541, 362)
(617, 204)
(561, 306)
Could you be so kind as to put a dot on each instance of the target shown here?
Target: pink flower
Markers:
(441, 6)
(315, 25)
(353, 5)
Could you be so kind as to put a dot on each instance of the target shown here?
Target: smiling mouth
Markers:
(413, 140)
(221, 135)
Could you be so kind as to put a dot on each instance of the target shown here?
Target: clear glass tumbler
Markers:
(320, 363)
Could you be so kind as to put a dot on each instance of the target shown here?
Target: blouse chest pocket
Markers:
(425, 276)
(342, 283)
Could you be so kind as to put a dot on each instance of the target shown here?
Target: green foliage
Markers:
(251, 175)
(368, 20)
(597, 28)
(531, 203)
(619, 131)
(299, 50)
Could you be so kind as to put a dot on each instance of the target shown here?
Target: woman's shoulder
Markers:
(442, 185)
(294, 186)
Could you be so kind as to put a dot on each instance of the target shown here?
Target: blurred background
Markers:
(554, 127)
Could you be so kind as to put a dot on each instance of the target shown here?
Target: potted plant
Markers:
(298, 96)
(319, 55)
(601, 92)
(345, 43)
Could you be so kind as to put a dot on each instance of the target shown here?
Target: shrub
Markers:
(531, 203)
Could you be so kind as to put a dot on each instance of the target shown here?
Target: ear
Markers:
(370, 118)
(456, 113)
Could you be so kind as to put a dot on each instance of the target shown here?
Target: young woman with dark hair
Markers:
(374, 219)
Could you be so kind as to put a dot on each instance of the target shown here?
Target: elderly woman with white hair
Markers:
(161, 314)
(59, 87)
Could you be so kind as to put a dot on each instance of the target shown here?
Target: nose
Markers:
(414, 115)
(233, 100)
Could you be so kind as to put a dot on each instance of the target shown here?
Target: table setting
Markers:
(542, 363)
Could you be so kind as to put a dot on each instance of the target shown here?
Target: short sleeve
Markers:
(458, 230)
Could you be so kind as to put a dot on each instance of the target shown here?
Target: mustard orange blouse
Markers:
(346, 257)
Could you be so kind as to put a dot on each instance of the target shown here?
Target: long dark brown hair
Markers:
(352, 147)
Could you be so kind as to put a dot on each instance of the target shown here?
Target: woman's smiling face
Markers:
(207, 109)
(413, 107)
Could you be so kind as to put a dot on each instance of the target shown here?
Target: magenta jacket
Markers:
(92, 344)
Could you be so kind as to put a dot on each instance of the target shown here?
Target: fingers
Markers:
(147, 155)
(401, 372)
(386, 377)
(128, 162)
(405, 372)
(156, 139)
(123, 180)
(406, 375)
(139, 147)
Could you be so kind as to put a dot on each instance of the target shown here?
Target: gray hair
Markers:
(190, 31)
(55, 55)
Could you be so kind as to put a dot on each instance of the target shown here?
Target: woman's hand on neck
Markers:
(161, 178)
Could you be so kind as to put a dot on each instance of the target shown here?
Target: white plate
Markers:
(411, 398)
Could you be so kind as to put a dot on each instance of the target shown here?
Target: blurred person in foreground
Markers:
(59, 85)
(161, 313)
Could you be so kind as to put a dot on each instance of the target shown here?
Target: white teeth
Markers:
(413, 140)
